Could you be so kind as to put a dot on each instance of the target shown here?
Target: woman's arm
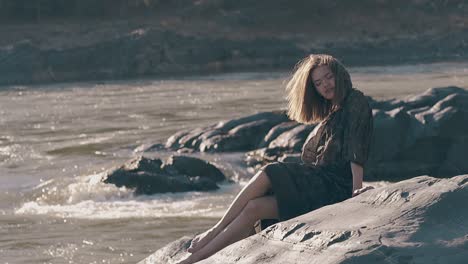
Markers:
(358, 173)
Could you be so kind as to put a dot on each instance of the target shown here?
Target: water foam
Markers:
(89, 198)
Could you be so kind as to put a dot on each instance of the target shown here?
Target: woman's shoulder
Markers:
(356, 98)
(356, 102)
(356, 95)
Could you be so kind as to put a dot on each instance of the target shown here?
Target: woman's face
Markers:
(324, 81)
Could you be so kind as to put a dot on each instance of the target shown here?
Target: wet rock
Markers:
(421, 220)
(192, 167)
(177, 174)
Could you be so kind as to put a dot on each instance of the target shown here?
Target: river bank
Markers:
(188, 38)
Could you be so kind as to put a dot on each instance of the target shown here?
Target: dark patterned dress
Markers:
(324, 176)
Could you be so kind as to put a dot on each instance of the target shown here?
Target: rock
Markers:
(428, 98)
(276, 131)
(141, 163)
(177, 174)
(421, 136)
(418, 135)
(262, 155)
(192, 167)
(394, 130)
(292, 139)
(455, 161)
(241, 134)
(420, 220)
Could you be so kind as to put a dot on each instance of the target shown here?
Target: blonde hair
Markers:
(305, 104)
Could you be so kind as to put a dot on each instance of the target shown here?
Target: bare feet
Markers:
(202, 239)
(188, 260)
(363, 189)
(191, 258)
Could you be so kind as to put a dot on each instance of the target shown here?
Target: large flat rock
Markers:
(420, 220)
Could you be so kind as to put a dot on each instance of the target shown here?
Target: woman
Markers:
(333, 157)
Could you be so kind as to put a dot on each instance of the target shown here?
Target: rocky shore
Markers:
(105, 40)
(160, 53)
(420, 220)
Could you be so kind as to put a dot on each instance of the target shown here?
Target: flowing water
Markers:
(57, 141)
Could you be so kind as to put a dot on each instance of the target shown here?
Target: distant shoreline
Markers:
(166, 54)
(186, 38)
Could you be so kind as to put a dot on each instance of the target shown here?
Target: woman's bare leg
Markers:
(257, 187)
(260, 208)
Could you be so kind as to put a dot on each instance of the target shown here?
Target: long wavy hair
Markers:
(305, 104)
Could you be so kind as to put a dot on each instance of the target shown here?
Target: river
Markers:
(58, 140)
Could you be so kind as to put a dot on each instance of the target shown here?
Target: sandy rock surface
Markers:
(420, 220)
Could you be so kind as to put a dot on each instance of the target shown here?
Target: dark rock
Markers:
(173, 141)
(394, 130)
(292, 139)
(276, 131)
(240, 134)
(456, 158)
(177, 174)
(420, 136)
(259, 156)
(429, 97)
(192, 167)
(141, 163)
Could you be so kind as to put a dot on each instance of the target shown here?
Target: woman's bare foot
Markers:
(192, 258)
(202, 239)
(187, 260)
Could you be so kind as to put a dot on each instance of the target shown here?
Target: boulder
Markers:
(421, 136)
(420, 220)
(192, 167)
(292, 139)
(177, 174)
(241, 134)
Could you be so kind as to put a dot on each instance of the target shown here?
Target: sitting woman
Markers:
(333, 156)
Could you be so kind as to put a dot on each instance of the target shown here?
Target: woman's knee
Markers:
(261, 208)
(252, 210)
(261, 180)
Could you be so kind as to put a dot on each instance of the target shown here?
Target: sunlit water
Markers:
(57, 141)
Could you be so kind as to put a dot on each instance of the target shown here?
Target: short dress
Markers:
(324, 176)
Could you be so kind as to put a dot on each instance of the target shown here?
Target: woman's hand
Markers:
(361, 190)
